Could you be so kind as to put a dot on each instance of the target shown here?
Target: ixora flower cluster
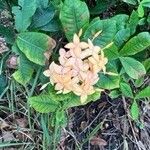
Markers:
(78, 68)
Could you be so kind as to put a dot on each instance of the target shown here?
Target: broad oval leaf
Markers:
(43, 103)
(144, 93)
(136, 44)
(132, 67)
(23, 14)
(108, 82)
(121, 21)
(43, 16)
(122, 36)
(146, 64)
(34, 45)
(134, 111)
(133, 22)
(24, 72)
(74, 15)
(126, 90)
(112, 52)
(108, 28)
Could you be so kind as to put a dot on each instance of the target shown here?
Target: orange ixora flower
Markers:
(78, 68)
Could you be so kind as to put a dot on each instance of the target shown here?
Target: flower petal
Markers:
(70, 46)
(84, 45)
(47, 73)
(76, 39)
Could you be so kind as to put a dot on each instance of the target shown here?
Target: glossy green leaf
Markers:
(140, 11)
(3, 5)
(52, 26)
(139, 82)
(114, 94)
(112, 52)
(43, 103)
(121, 21)
(146, 64)
(33, 45)
(25, 71)
(108, 82)
(126, 90)
(3, 82)
(61, 118)
(43, 16)
(42, 4)
(101, 6)
(144, 93)
(134, 111)
(74, 15)
(133, 22)
(132, 67)
(136, 44)
(108, 28)
(122, 36)
(23, 14)
(145, 3)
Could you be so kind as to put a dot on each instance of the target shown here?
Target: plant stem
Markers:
(31, 93)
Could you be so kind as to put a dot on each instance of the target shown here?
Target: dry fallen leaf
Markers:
(3, 124)
(22, 122)
(8, 136)
(52, 45)
(98, 141)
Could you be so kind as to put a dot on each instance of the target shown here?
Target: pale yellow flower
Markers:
(92, 50)
(83, 91)
(76, 46)
(98, 62)
(78, 68)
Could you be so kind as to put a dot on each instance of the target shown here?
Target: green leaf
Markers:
(61, 118)
(3, 82)
(108, 28)
(25, 71)
(52, 26)
(140, 11)
(144, 93)
(3, 5)
(23, 14)
(145, 3)
(146, 64)
(43, 16)
(133, 22)
(135, 111)
(122, 36)
(112, 52)
(139, 82)
(42, 4)
(114, 94)
(126, 90)
(132, 67)
(33, 45)
(136, 44)
(121, 21)
(74, 15)
(108, 82)
(133, 2)
(101, 6)
(43, 103)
